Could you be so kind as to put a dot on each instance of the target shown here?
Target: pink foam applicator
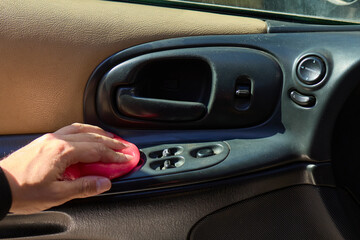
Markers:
(109, 170)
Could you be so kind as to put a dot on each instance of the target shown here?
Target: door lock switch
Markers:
(242, 94)
(302, 100)
(243, 91)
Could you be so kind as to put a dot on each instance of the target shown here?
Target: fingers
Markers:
(87, 144)
(93, 137)
(82, 128)
(83, 187)
(88, 152)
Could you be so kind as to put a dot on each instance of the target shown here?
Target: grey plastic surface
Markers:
(292, 27)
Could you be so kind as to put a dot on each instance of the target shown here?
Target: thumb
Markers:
(85, 187)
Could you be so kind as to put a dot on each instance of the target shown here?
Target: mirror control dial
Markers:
(311, 70)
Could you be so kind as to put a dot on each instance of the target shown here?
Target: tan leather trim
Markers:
(50, 47)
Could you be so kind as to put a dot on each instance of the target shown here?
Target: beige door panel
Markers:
(49, 48)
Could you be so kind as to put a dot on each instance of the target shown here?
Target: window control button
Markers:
(166, 152)
(204, 152)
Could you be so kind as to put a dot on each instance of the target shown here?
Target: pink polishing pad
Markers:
(109, 170)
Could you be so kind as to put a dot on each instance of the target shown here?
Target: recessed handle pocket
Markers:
(157, 109)
(34, 225)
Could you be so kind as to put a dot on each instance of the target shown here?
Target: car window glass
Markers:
(342, 10)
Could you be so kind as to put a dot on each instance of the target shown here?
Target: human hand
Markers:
(35, 171)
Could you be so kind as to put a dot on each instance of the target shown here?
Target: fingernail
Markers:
(121, 145)
(129, 157)
(102, 185)
(121, 157)
(110, 135)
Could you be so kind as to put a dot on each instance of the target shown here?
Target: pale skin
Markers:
(34, 172)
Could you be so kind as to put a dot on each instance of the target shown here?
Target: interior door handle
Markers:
(157, 109)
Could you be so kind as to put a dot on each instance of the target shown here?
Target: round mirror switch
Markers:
(311, 70)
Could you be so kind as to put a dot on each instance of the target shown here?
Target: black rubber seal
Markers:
(5, 195)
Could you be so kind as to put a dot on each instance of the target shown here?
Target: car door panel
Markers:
(150, 214)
